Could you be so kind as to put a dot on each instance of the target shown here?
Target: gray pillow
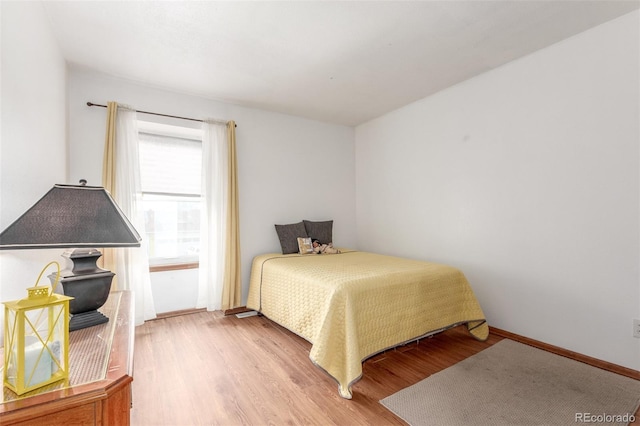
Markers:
(288, 235)
(322, 231)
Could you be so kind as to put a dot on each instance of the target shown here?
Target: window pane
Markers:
(170, 164)
(172, 228)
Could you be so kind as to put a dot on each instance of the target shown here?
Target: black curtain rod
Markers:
(154, 113)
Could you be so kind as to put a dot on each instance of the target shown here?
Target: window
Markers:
(170, 163)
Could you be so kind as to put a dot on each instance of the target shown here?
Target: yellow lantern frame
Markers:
(36, 338)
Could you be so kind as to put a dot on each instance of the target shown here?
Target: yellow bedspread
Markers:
(353, 305)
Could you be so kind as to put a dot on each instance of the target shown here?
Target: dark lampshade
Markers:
(81, 217)
(71, 216)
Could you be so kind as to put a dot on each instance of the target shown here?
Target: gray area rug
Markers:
(514, 384)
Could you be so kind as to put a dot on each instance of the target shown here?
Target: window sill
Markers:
(174, 267)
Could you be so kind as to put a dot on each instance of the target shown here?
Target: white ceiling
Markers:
(341, 62)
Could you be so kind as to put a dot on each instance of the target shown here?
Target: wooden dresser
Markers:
(101, 372)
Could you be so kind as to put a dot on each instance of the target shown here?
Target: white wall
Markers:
(175, 290)
(33, 132)
(527, 178)
(276, 153)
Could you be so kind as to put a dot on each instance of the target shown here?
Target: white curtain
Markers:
(131, 264)
(213, 215)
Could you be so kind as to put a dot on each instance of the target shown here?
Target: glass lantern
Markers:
(36, 339)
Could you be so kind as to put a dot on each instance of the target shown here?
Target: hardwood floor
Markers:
(208, 369)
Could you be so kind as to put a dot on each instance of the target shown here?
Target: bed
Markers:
(353, 305)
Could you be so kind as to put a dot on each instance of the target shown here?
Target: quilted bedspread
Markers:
(353, 305)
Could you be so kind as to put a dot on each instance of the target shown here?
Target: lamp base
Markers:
(88, 284)
(86, 319)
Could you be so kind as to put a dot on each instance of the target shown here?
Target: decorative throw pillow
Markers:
(321, 231)
(304, 245)
(288, 235)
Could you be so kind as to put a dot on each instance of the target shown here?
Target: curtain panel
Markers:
(121, 177)
(220, 284)
(108, 177)
(232, 287)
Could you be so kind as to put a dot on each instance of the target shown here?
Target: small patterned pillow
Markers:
(304, 245)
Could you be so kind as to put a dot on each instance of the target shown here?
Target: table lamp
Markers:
(81, 218)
